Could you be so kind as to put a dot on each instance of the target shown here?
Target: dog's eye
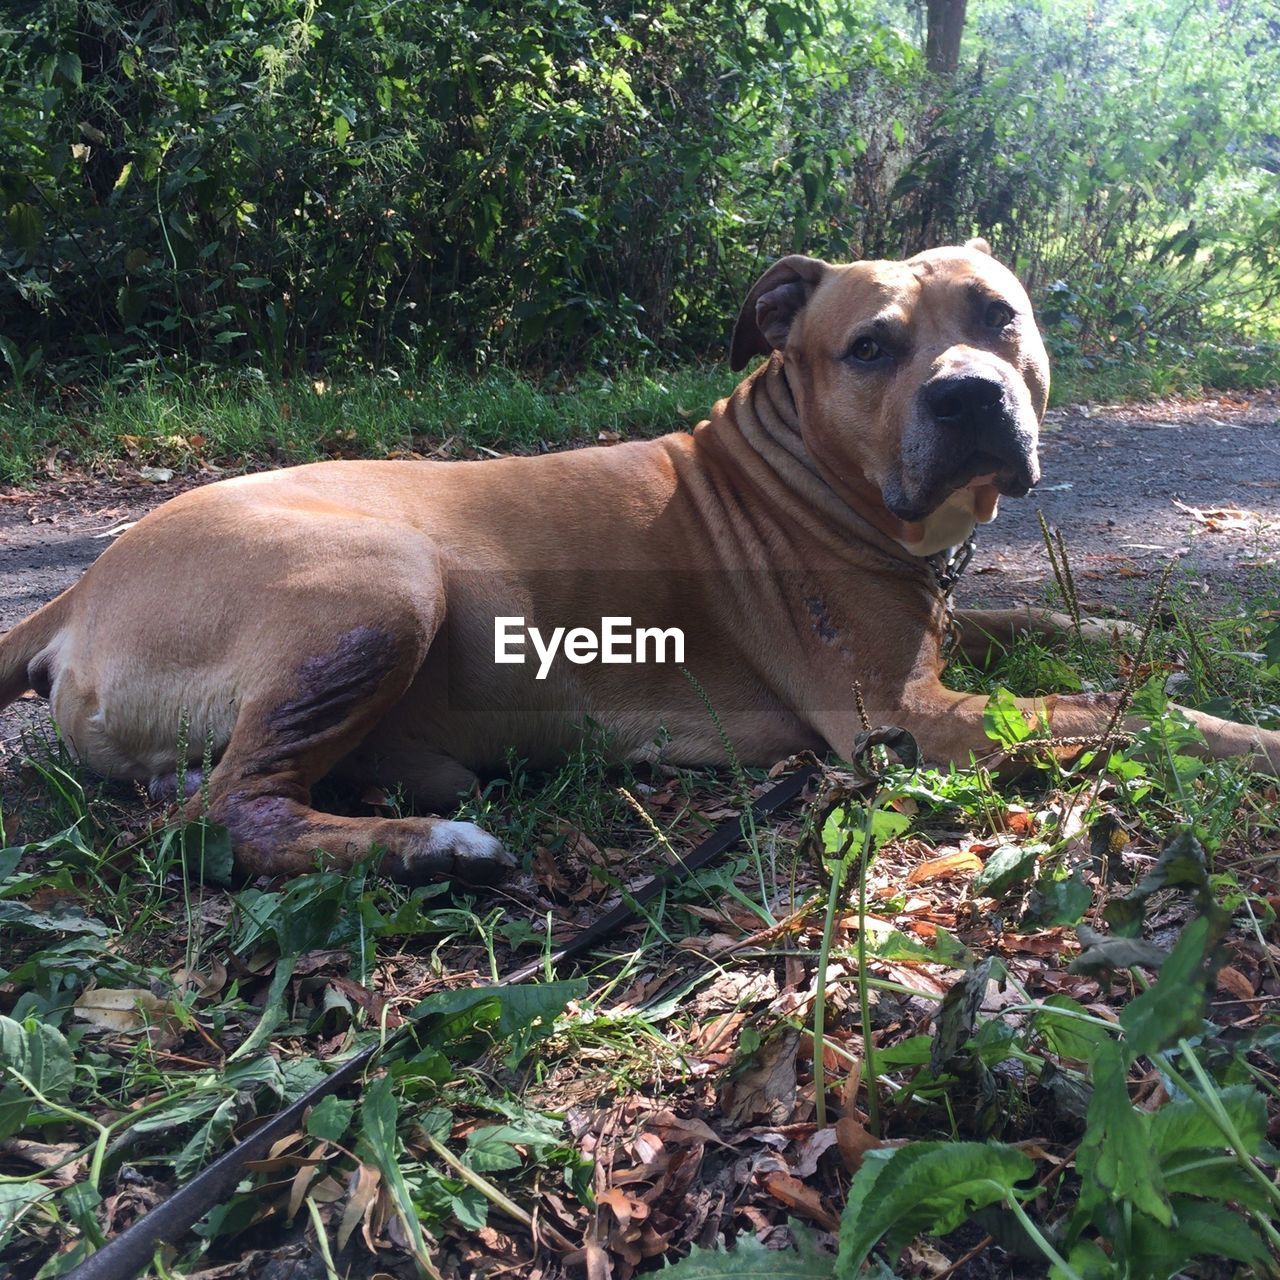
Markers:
(866, 351)
(998, 315)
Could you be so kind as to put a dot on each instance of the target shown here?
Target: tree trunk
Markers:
(942, 41)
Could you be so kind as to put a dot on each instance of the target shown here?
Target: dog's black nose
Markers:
(962, 400)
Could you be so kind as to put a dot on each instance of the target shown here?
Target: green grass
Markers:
(1211, 366)
(231, 423)
(234, 421)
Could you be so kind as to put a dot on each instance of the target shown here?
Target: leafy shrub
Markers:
(287, 185)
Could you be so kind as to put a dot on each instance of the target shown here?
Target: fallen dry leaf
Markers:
(800, 1198)
(303, 1179)
(203, 985)
(766, 1091)
(129, 1011)
(364, 1192)
(1220, 519)
(625, 1208)
(957, 862)
(1234, 983)
(805, 1165)
(854, 1140)
(56, 1158)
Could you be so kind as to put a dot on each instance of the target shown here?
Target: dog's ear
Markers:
(772, 305)
(978, 245)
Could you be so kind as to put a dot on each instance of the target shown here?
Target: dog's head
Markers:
(920, 385)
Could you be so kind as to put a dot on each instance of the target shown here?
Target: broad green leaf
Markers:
(488, 1151)
(330, 1118)
(958, 1016)
(40, 1054)
(254, 1073)
(1088, 1261)
(1068, 1028)
(845, 828)
(1007, 867)
(468, 1204)
(751, 1260)
(1002, 721)
(537, 1133)
(206, 849)
(1181, 1125)
(886, 825)
(25, 225)
(914, 1051)
(412, 916)
(1271, 645)
(207, 1141)
(1070, 1093)
(1214, 1175)
(15, 1198)
(525, 1014)
(59, 920)
(1174, 1007)
(82, 1202)
(1202, 1230)
(70, 70)
(1102, 954)
(1181, 865)
(1114, 1160)
(943, 948)
(378, 1116)
(927, 1186)
(1150, 701)
(1062, 902)
(274, 1011)
(838, 838)
(181, 1112)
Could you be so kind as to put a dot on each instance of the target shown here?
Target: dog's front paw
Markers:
(450, 850)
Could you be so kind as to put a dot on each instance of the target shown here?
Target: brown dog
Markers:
(360, 618)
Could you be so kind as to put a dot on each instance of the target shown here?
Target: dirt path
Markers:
(1134, 485)
(1117, 481)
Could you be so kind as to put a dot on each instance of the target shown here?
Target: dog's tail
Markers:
(27, 652)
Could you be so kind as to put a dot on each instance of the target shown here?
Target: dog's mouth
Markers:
(1012, 480)
(985, 475)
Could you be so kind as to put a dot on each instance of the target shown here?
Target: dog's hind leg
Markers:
(302, 722)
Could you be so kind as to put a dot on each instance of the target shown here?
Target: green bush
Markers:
(287, 185)
(280, 182)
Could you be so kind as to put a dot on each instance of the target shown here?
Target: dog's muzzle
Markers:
(966, 428)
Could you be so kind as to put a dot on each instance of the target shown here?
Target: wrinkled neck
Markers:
(764, 414)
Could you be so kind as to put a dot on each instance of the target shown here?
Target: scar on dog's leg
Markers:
(294, 733)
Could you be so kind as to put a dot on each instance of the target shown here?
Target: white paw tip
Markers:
(466, 840)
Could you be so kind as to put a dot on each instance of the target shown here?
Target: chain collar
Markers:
(948, 567)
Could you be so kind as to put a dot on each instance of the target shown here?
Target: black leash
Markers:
(122, 1257)
(724, 837)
